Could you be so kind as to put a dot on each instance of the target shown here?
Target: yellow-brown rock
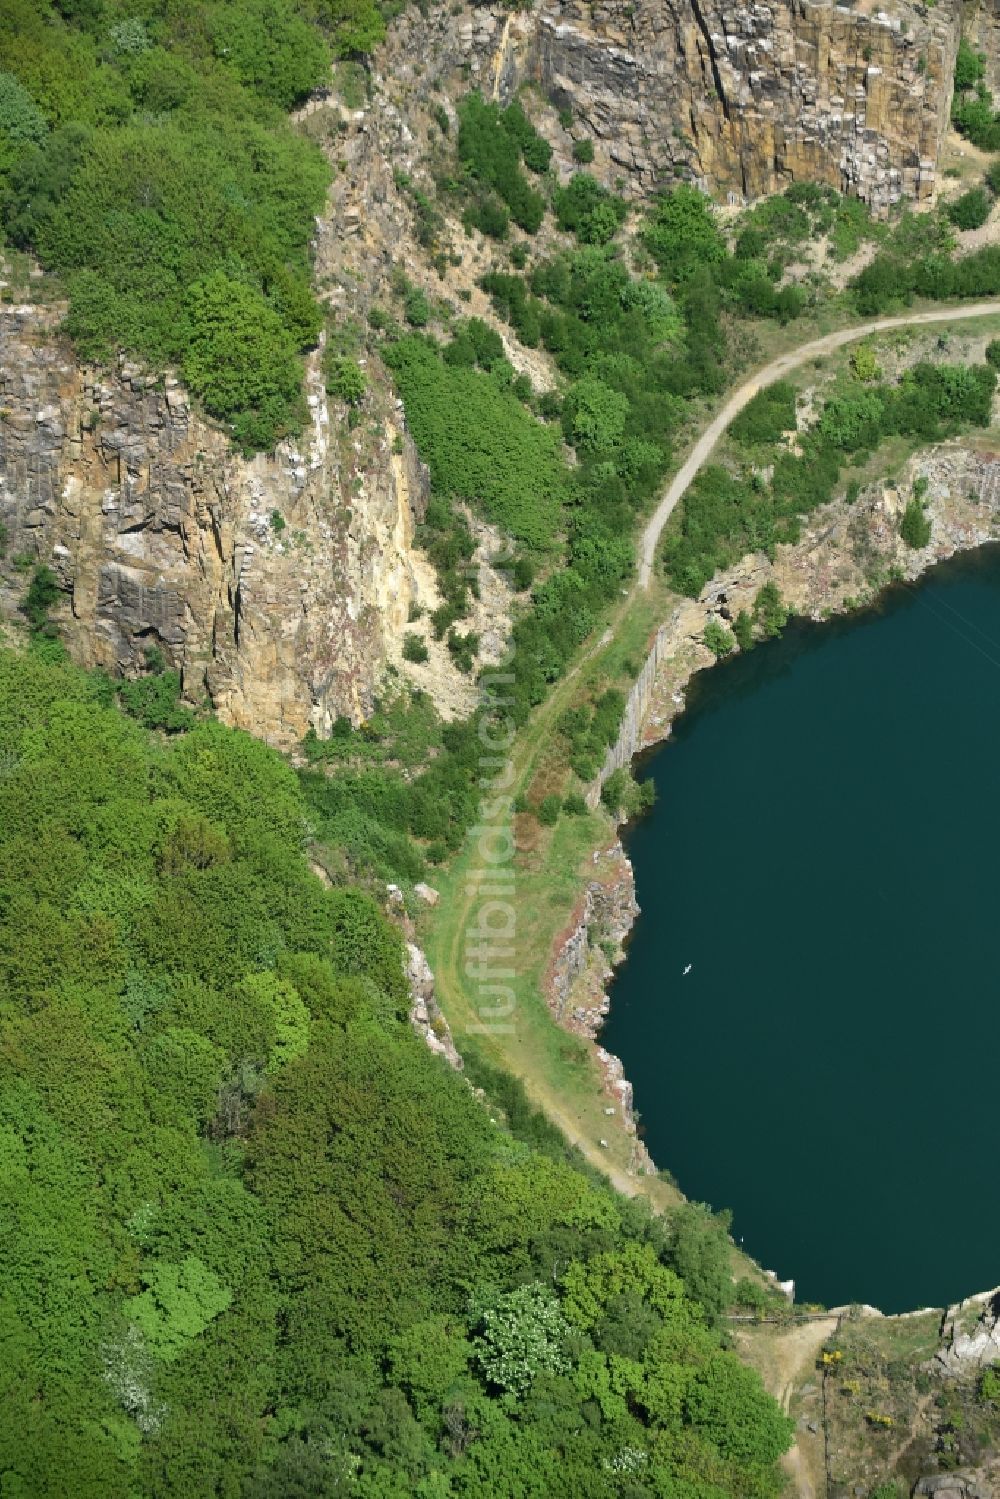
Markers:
(743, 98)
(278, 586)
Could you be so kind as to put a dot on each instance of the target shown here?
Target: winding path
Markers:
(770, 373)
(444, 937)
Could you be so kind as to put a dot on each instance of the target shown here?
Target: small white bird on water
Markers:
(687, 970)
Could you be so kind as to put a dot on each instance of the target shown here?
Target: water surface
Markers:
(824, 852)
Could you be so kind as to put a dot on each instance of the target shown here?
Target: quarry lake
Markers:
(824, 853)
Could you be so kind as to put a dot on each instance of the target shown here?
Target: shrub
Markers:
(750, 1293)
(770, 615)
(463, 649)
(492, 142)
(574, 805)
(914, 527)
(767, 416)
(743, 630)
(588, 210)
(970, 66)
(345, 378)
(414, 648)
(548, 810)
(535, 150)
(416, 308)
(865, 365)
(993, 353)
(154, 700)
(43, 591)
(583, 152)
(682, 235)
(241, 361)
(718, 639)
(481, 444)
(971, 210)
(614, 790)
(621, 794)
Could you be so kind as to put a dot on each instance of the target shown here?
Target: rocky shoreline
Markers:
(846, 557)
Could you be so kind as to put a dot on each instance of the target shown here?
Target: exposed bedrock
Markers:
(744, 98)
(277, 586)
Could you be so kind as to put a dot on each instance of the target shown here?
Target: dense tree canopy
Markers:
(144, 155)
(257, 1239)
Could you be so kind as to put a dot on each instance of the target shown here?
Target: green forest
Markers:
(257, 1239)
(146, 159)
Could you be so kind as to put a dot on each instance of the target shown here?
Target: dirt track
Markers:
(776, 370)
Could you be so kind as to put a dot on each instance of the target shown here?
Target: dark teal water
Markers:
(825, 851)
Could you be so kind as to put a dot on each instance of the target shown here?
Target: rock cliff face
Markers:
(277, 587)
(280, 587)
(970, 1337)
(745, 98)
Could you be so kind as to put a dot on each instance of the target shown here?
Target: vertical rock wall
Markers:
(630, 734)
(745, 98)
(277, 586)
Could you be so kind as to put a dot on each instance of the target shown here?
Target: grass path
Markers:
(560, 1079)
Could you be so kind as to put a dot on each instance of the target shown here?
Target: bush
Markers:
(416, 308)
(719, 640)
(767, 416)
(345, 378)
(154, 700)
(492, 143)
(574, 805)
(481, 444)
(743, 631)
(241, 361)
(583, 152)
(615, 790)
(971, 210)
(914, 527)
(548, 810)
(463, 649)
(414, 648)
(970, 67)
(682, 235)
(588, 210)
(770, 614)
(43, 591)
(623, 796)
(865, 365)
(993, 353)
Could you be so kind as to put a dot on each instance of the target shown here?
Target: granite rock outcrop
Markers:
(277, 586)
(743, 98)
